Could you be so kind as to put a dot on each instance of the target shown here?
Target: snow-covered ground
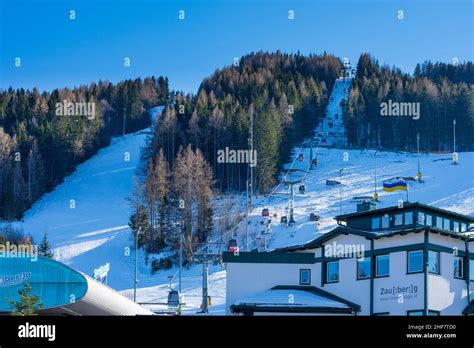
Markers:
(95, 231)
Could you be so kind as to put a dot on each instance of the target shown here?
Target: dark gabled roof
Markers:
(391, 233)
(267, 257)
(405, 206)
(318, 291)
(252, 307)
(315, 243)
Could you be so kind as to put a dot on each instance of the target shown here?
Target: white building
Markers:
(410, 260)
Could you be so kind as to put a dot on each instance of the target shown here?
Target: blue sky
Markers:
(56, 51)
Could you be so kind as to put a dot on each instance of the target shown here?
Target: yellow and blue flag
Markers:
(394, 185)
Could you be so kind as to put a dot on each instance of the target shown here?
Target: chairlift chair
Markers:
(301, 157)
(265, 213)
(232, 245)
(314, 217)
(302, 189)
(174, 298)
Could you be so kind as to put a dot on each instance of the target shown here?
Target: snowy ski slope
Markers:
(331, 129)
(95, 231)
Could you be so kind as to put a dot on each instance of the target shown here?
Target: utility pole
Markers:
(455, 155)
(340, 192)
(454, 134)
(418, 154)
(292, 204)
(376, 195)
(124, 121)
(136, 265)
(251, 151)
(180, 257)
(246, 215)
(205, 272)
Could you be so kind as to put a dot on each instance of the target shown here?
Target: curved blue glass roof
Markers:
(55, 283)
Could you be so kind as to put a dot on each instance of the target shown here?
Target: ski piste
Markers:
(96, 231)
(331, 131)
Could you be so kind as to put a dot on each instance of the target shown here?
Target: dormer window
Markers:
(409, 218)
(421, 218)
(376, 223)
(429, 220)
(439, 222)
(398, 219)
(446, 224)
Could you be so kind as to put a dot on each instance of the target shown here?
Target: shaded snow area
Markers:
(95, 231)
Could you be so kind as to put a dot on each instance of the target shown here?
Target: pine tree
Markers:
(45, 248)
(27, 304)
(139, 223)
(156, 197)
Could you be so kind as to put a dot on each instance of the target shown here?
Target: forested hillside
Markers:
(444, 92)
(38, 147)
(284, 94)
(273, 99)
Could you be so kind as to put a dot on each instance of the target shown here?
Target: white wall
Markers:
(397, 240)
(349, 288)
(398, 278)
(244, 279)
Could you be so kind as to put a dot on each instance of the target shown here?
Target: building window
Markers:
(429, 220)
(382, 265)
(375, 223)
(415, 261)
(363, 268)
(447, 224)
(433, 313)
(417, 312)
(409, 218)
(385, 221)
(458, 267)
(433, 261)
(463, 227)
(332, 272)
(471, 270)
(421, 218)
(456, 226)
(398, 219)
(439, 222)
(305, 276)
